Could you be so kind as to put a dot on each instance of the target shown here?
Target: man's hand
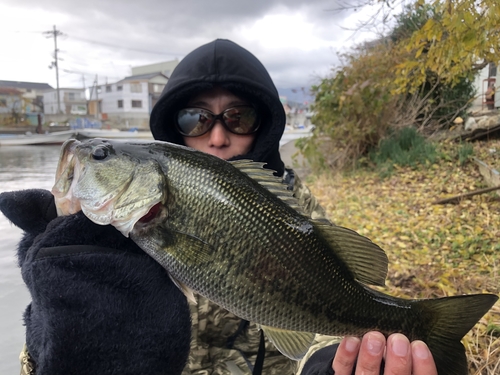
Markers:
(364, 356)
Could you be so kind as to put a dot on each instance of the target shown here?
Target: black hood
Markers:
(225, 64)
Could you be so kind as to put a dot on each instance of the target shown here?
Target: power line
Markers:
(127, 48)
(105, 44)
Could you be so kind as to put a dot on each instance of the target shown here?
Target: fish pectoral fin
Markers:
(192, 249)
(366, 260)
(187, 291)
(293, 344)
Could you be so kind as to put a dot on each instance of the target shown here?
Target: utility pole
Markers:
(85, 94)
(96, 83)
(54, 34)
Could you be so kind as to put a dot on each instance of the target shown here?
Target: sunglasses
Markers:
(241, 120)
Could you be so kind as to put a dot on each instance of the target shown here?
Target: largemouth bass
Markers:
(233, 233)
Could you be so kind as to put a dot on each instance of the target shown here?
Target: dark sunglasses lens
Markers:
(241, 120)
(193, 121)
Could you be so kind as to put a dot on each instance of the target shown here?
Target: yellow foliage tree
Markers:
(419, 75)
(463, 36)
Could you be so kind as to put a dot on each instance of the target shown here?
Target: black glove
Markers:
(100, 305)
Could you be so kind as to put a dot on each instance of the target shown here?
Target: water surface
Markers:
(21, 167)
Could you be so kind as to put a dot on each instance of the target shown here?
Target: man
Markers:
(204, 90)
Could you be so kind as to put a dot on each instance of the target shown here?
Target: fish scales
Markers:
(231, 232)
(279, 275)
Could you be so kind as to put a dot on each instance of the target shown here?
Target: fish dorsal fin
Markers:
(366, 260)
(266, 178)
(293, 344)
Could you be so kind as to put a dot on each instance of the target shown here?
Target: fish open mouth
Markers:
(152, 213)
(67, 175)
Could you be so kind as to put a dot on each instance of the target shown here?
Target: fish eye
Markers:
(100, 153)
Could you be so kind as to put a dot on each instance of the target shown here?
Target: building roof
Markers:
(26, 85)
(71, 88)
(64, 89)
(9, 91)
(165, 67)
(143, 77)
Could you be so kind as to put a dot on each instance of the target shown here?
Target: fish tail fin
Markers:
(450, 318)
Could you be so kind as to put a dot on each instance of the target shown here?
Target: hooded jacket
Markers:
(224, 63)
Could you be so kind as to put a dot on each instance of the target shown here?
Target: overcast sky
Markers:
(297, 40)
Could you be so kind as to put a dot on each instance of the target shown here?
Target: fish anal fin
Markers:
(293, 344)
(366, 260)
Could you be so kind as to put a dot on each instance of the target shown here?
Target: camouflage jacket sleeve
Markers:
(220, 345)
(307, 201)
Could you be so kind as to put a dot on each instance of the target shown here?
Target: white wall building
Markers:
(488, 74)
(72, 102)
(128, 103)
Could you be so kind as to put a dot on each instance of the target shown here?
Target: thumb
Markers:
(31, 210)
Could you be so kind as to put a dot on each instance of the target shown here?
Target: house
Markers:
(71, 102)
(164, 68)
(11, 103)
(297, 113)
(485, 77)
(23, 100)
(128, 102)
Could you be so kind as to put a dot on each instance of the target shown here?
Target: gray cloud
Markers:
(107, 37)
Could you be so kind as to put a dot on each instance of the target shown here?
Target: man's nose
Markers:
(219, 135)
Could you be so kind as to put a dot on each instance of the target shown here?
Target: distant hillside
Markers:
(297, 95)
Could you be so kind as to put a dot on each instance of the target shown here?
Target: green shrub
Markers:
(404, 147)
(465, 151)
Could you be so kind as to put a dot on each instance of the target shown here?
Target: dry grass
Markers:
(433, 250)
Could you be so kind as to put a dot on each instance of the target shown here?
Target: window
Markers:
(135, 87)
(157, 87)
(77, 109)
(119, 88)
(108, 88)
(3, 102)
(120, 103)
(71, 96)
(492, 70)
(136, 103)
